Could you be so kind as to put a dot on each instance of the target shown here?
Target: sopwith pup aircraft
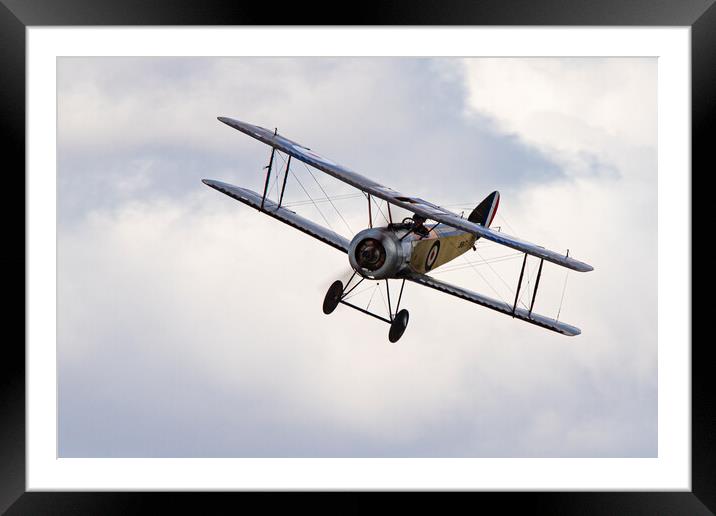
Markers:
(407, 250)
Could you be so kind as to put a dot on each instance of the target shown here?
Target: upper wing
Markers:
(416, 205)
(284, 215)
(500, 306)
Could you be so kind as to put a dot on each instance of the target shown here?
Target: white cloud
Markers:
(604, 108)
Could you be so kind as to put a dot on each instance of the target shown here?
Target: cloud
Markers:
(400, 120)
(582, 111)
(190, 325)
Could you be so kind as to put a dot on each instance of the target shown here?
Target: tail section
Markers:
(486, 210)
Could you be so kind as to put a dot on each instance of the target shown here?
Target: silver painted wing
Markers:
(284, 215)
(500, 306)
(413, 204)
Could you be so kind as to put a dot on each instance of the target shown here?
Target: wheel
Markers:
(397, 327)
(333, 296)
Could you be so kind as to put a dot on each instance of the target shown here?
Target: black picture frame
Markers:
(16, 15)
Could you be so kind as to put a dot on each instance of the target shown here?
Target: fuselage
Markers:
(391, 251)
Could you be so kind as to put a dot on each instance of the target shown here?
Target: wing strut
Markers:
(268, 174)
(519, 285)
(268, 177)
(285, 177)
(534, 294)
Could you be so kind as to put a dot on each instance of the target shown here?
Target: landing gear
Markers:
(337, 295)
(397, 327)
(333, 297)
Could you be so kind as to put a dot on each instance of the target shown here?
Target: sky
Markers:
(189, 325)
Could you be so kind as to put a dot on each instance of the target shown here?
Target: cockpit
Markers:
(415, 224)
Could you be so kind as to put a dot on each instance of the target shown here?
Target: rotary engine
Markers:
(379, 253)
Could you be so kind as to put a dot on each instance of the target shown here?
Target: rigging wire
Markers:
(372, 198)
(500, 277)
(307, 194)
(484, 279)
(371, 297)
(564, 289)
(352, 294)
(495, 259)
(322, 199)
(380, 291)
(327, 197)
(276, 181)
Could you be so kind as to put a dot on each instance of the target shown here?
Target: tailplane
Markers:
(486, 210)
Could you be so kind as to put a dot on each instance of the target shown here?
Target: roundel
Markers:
(432, 255)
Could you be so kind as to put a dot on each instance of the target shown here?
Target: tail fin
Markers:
(486, 210)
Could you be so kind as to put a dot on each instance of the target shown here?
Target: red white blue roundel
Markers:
(432, 255)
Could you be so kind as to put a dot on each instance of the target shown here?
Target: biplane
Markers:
(406, 250)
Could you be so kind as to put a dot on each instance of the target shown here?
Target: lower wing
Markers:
(500, 306)
(284, 215)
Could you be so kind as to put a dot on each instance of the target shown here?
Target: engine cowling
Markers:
(378, 253)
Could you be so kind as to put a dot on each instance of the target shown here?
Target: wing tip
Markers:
(585, 267)
(576, 265)
(216, 185)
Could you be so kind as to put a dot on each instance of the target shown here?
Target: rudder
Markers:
(485, 212)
